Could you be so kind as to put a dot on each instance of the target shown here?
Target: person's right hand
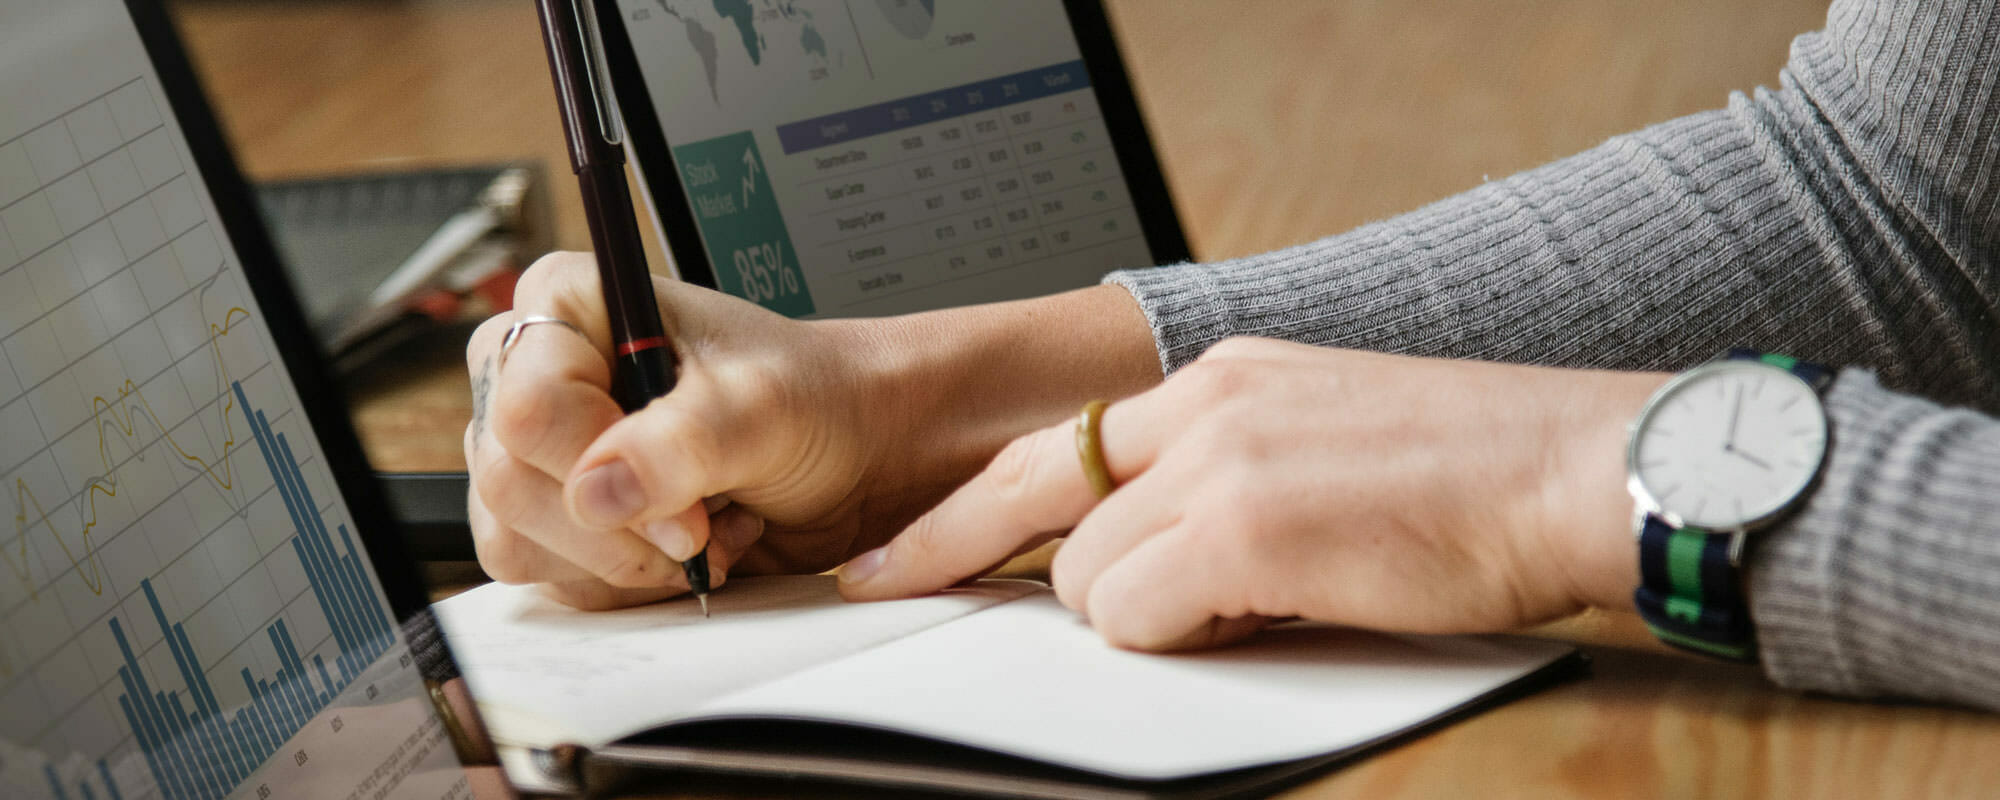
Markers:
(765, 424)
(786, 446)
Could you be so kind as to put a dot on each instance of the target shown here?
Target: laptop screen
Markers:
(885, 156)
(187, 609)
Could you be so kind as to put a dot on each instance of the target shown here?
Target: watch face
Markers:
(1729, 443)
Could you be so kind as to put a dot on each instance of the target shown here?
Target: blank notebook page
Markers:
(546, 674)
(1030, 678)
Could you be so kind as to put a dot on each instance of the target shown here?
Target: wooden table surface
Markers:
(1278, 121)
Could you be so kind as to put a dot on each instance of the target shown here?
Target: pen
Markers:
(644, 365)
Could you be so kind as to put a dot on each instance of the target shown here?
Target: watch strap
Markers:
(1818, 376)
(1689, 594)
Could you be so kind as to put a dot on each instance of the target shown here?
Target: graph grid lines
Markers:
(113, 285)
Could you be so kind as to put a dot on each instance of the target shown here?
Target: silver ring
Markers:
(513, 334)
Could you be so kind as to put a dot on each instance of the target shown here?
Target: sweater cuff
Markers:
(1876, 585)
(1183, 305)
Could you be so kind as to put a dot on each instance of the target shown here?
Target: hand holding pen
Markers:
(644, 366)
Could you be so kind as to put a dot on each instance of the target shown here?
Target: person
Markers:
(1418, 425)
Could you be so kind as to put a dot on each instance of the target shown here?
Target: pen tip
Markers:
(703, 599)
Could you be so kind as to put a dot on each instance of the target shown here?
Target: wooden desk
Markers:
(1278, 121)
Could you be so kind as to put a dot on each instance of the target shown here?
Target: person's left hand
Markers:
(1272, 480)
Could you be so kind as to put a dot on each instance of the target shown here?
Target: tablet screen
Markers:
(187, 607)
(868, 157)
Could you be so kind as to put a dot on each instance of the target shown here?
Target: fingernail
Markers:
(864, 566)
(670, 537)
(609, 495)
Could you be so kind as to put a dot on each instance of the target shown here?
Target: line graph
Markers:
(181, 598)
(106, 419)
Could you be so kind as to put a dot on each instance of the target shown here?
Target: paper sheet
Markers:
(1026, 677)
(1031, 679)
(546, 674)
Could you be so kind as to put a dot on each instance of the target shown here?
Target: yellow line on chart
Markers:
(106, 412)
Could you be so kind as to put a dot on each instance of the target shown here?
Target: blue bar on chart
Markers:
(83, 790)
(55, 784)
(203, 753)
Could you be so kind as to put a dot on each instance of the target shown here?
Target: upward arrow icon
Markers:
(749, 175)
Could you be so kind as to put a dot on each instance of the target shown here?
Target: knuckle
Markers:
(1117, 633)
(1208, 383)
(1111, 616)
(1071, 584)
(1013, 471)
(923, 543)
(523, 412)
(674, 433)
(484, 467)
(485, 339)
(497, 477)
(554, 269)
(487, 466)
(754, 389)
(503, 554)
(563, 283)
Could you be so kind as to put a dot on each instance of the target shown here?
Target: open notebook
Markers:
(991, 687)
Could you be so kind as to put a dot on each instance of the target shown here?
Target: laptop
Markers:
(201, 594)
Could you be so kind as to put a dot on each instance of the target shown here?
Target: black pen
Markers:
(644, 367)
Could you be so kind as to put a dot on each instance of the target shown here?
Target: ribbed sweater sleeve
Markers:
(1851, 216)
(1887, 582)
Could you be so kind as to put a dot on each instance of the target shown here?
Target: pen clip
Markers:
(609, 127)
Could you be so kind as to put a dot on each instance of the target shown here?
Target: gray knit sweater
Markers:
(1851, 217)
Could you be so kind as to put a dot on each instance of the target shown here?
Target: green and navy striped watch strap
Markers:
(1815, 375)
(1689, 592)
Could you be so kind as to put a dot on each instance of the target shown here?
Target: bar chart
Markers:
(184, 610)
(204, 752)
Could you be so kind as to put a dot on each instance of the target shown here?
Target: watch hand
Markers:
(1761, 463)
(1735, 414)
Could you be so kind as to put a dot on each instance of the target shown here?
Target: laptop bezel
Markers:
(321, 397)
(654, 165)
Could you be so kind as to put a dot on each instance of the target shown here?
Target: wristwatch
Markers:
(1719, 452)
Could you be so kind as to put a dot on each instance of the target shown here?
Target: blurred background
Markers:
(1278, 121)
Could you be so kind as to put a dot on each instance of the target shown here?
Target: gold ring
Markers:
(1090, 448)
